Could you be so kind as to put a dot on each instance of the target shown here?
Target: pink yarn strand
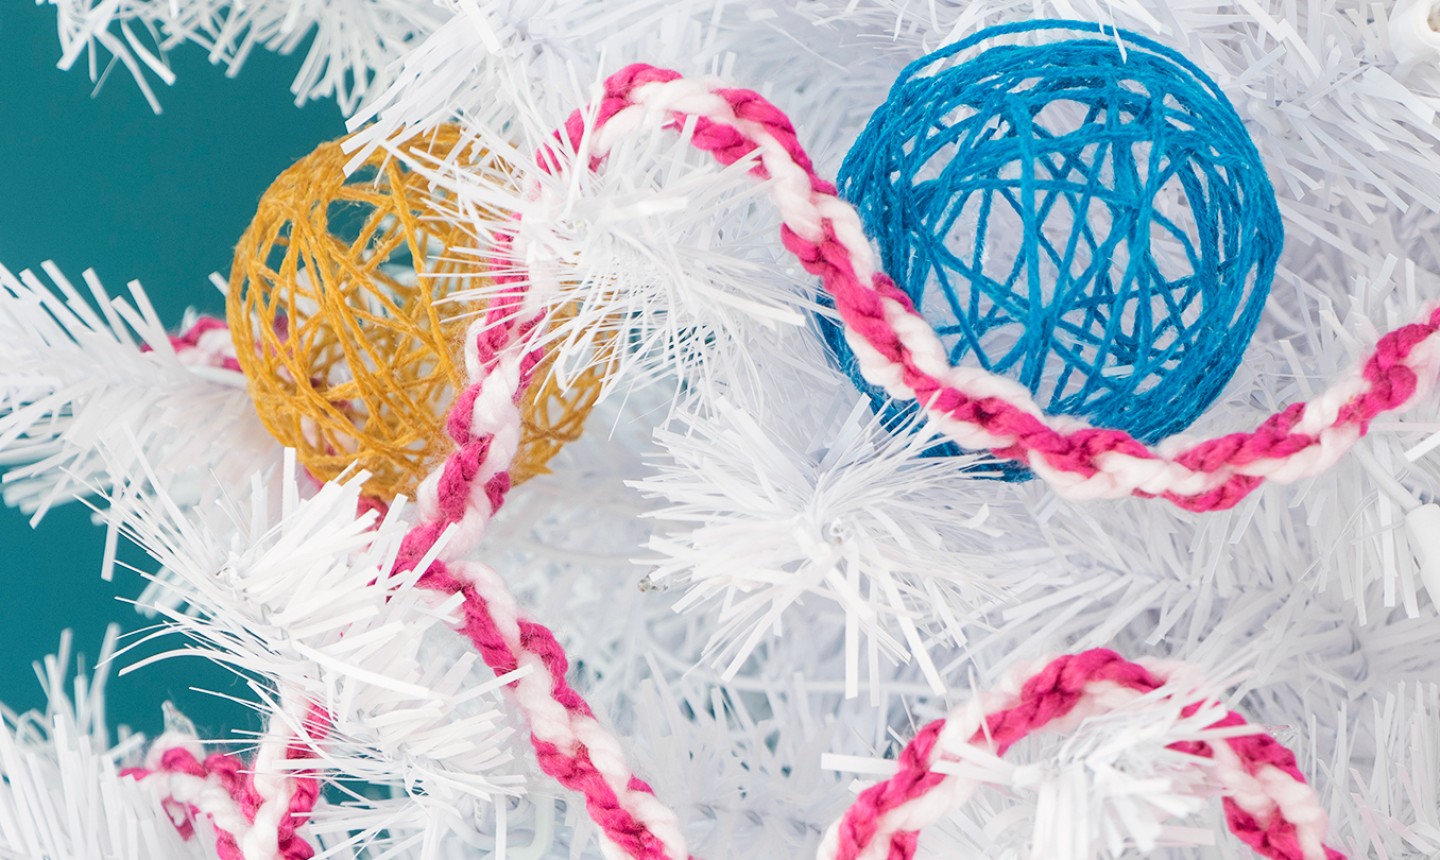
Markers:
(867, 829)
(219, 775)
(1088, 462)
(472, 482)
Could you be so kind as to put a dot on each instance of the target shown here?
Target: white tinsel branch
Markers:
(351, 42)
(91, 389)
(62, 795)
(298, 595)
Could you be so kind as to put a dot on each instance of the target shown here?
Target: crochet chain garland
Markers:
(900, 352)
(1268, 804)
(255, 811)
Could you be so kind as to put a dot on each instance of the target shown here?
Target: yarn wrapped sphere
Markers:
(338, 307)
(1076, 208)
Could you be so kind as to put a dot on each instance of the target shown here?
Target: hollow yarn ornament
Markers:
(338, 307)
(1088, 218)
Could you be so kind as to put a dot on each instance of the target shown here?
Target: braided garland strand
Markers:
(1268, 804)
(191, 787)
(256, 811)
(900, 352)
(457, 501)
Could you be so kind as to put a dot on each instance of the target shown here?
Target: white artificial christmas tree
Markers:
(763, 591)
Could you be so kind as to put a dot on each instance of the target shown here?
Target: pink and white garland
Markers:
(900, 352)
(1269, 806)
(256, 810)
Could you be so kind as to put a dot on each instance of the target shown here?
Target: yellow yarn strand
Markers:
(334, 307)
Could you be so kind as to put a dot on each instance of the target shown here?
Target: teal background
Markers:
(101, 182)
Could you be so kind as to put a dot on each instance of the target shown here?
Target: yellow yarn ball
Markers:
(335, 307)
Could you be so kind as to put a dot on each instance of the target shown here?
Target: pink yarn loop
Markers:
(229, 775)
(1391, 380)
(1049, 695)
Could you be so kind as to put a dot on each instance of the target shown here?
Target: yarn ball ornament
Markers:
(1074, 207)
(337, 304)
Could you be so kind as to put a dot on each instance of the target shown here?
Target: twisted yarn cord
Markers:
(1268, 804)
(191, 787)
(256, 811)
(283, 799)
(464, 492)
(457, 500)
(900, 352)
(207, 343)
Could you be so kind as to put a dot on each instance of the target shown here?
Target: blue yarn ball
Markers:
(1090, 220)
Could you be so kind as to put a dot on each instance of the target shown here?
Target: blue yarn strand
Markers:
(1106, 301)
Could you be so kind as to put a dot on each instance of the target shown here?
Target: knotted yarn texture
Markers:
(340, 307)
(900, 352)
(1268, 804)
(1089, 219)
(256, 810)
